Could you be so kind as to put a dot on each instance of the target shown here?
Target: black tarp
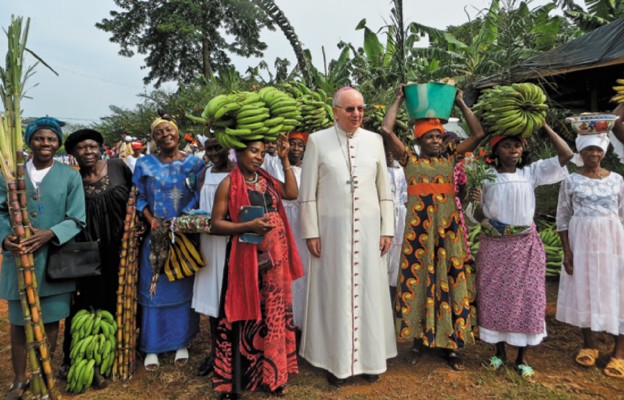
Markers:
(578, 74)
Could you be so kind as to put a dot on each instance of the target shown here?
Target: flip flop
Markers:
(181, 357)
(21, 387)
(615, 368)
(526, 372)
(151, 362)
(587, 357)
(493, 364)
(454, 361)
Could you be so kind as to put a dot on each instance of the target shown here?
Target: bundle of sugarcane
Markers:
(12, 79)
(125, 362)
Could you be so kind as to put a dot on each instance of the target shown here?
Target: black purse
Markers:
(75, 259)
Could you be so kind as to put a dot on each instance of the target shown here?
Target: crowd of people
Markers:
(329, 245)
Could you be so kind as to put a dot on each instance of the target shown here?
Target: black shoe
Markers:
(334, 380)
(371, 377)
(206, 367)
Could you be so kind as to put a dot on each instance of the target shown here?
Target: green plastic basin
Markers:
(429, 100)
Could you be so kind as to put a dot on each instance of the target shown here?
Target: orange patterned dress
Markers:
(436, 287)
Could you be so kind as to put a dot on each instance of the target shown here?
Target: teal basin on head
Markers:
(429, 100)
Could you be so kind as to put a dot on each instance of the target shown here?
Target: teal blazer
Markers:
(60, 195)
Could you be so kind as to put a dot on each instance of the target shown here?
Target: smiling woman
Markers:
(54, 193)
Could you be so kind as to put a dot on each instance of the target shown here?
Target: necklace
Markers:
(350, 181)
(600, 173)
(252, 180)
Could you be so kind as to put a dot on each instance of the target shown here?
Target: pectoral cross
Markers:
(352, 182)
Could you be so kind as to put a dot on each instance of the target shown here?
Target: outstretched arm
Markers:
(618, 127)
(561, 147)
(391, 142)
(476, 130)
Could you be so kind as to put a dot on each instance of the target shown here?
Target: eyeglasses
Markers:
(351, 109)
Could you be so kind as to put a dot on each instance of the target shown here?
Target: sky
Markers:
(93, 76)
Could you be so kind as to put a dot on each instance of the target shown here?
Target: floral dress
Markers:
(435, 291)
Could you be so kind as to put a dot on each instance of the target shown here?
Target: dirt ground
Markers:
(559, 376)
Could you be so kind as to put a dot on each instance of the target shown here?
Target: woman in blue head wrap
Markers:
(55, 200)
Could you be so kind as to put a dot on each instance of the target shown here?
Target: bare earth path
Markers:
(559, 376)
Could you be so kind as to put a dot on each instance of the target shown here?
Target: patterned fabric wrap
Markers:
(511, 283)
(494, 228)
(183, 260)
(191, 224)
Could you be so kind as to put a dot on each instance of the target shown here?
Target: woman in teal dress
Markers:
(435, 290)
(55, 195)
(165, 182)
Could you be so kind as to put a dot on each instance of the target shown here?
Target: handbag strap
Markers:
(82, 226)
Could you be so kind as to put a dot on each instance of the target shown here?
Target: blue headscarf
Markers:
(50, 123)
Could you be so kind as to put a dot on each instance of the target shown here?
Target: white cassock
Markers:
(348, 327)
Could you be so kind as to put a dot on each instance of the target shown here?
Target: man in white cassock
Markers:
(347, 219)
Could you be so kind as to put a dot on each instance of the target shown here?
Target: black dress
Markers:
(106, 210)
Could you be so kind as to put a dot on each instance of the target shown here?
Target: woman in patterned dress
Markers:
(589, 219)
(256, 336)
(166, 189)
(435, 290)
(511, 263)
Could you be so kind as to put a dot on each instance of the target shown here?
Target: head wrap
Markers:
(137, 145)
(423, 126)
(583, 141)
(50, 123)
(303, 136)
(160, 120)
(494, 140)
(80, 135)
(598, 140)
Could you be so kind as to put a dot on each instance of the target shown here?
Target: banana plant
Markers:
(599, 12)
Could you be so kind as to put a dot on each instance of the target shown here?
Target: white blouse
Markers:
(510, 198)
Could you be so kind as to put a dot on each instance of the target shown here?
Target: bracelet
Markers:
(287, 168)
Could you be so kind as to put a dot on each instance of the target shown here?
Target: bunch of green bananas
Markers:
(619, 96)
(553, 249)
(516, 110)
(374, 117)
(93, 346)
(315, 106)
(473, 239)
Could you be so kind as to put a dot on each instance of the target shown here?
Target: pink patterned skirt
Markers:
(511, 283)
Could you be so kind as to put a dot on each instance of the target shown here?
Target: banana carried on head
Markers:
(516, 110)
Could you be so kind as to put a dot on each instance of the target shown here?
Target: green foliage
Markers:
(184, 39)
(599, 12)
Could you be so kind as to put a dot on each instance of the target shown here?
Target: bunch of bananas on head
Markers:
(315, 106)
(619, 89)
(374, 117)
(93, 346)
(516, 110)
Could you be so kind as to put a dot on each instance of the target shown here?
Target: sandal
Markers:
(493, 364)
(587, 357)
(526, 372)
(151, 362)
(16, 390)
(415, 355)
(181, 357)
(454, 361)
(615, 368)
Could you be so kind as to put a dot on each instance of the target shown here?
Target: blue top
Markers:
(168, 189)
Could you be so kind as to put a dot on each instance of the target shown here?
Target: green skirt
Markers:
(53, 309)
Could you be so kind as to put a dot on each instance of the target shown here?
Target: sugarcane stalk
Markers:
(12, 80)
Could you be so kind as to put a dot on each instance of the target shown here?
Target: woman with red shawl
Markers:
(256, 335)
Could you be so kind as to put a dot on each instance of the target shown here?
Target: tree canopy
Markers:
(184, 39)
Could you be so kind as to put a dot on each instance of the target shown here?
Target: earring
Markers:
(520, 160)
(496, 161)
